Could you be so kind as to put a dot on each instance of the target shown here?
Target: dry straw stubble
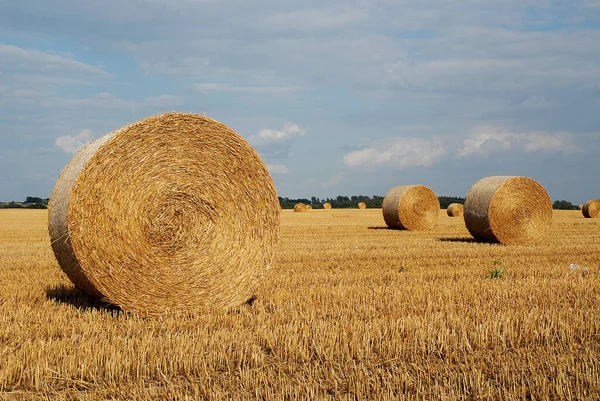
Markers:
(411, 207)
(509, 210)
(591, 209)
(171, 213)
(455, 210)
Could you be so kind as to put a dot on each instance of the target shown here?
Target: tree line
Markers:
(339, 202)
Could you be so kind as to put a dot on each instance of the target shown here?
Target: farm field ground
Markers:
(352, 311)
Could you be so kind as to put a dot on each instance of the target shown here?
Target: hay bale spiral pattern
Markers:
(591, 209)
(508, 210)
(411, 207)
(170, 213)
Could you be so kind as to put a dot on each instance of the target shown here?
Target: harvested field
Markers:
(356, 311)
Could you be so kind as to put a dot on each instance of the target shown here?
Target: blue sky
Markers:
(339, 98)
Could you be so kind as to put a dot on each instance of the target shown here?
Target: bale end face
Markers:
(411, 207)
(508, 210)
(326, 205)
(172, 213)
(362, 205)
(591, 209)
(455, 210)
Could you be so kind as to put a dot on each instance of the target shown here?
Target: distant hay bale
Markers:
(591, 209)
(508, 210)
(455, 210)
(308, 207)
(327, 205)
(299, 207)
(167, 214)
(362, 205)
(411, 207)
(580, 207)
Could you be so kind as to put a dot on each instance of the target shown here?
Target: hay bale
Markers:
(455, 210)
(411, 207)
(362, 205)
(167, 214)
(508, 210)
(308, 207)
(591, 209)
(299, 207)
(580, 207)
(327, 205)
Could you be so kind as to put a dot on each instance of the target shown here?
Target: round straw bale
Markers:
(455, 210)
(411, 207)
(308, 207)
(508, 210)
(167, 214)
(362, 205)
(327, 205)
(591, 209)
(299, 207)
(580, 207)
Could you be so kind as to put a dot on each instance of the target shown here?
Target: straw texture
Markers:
(327, 205)
(299, 207)
(591, 209)
(411, 207)
(167, 214)
(508, 210)
(455, 210)
(362, 205)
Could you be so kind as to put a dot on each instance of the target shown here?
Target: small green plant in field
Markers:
(497, 272)
(401, 269)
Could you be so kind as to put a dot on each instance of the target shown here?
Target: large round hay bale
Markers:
(299, 207)
(167, 214)
(455, 210)
(591, 209)
(327, 205)
(411, 207)
(508, 210)
(308, 207)
(362, 205)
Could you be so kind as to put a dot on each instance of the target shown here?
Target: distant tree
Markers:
(32, 199)
(564, 205)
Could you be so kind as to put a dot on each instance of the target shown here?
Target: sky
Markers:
(338, 97)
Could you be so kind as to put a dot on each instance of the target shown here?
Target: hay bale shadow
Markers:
(382, 228)
(65, 294)
(458, 239)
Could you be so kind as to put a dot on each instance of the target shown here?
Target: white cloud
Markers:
(72, 144)
(277, 143)
(400, 152)
(288, 131)
(487, 140)
(36, 60)
(245, 89)
(277, 168)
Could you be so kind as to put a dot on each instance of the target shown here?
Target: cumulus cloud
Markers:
(487, 140)
(277, 168)
(73, 143)
(277, 143)
(400, 152)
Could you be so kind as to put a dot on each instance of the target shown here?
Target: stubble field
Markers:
(352, 311)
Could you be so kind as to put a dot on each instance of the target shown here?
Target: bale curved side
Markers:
(299, 207)
(455, 210)
(591, 209)
(411, 207)
(326, 205)
(171, 213)
(509, 210)
(308, 207)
